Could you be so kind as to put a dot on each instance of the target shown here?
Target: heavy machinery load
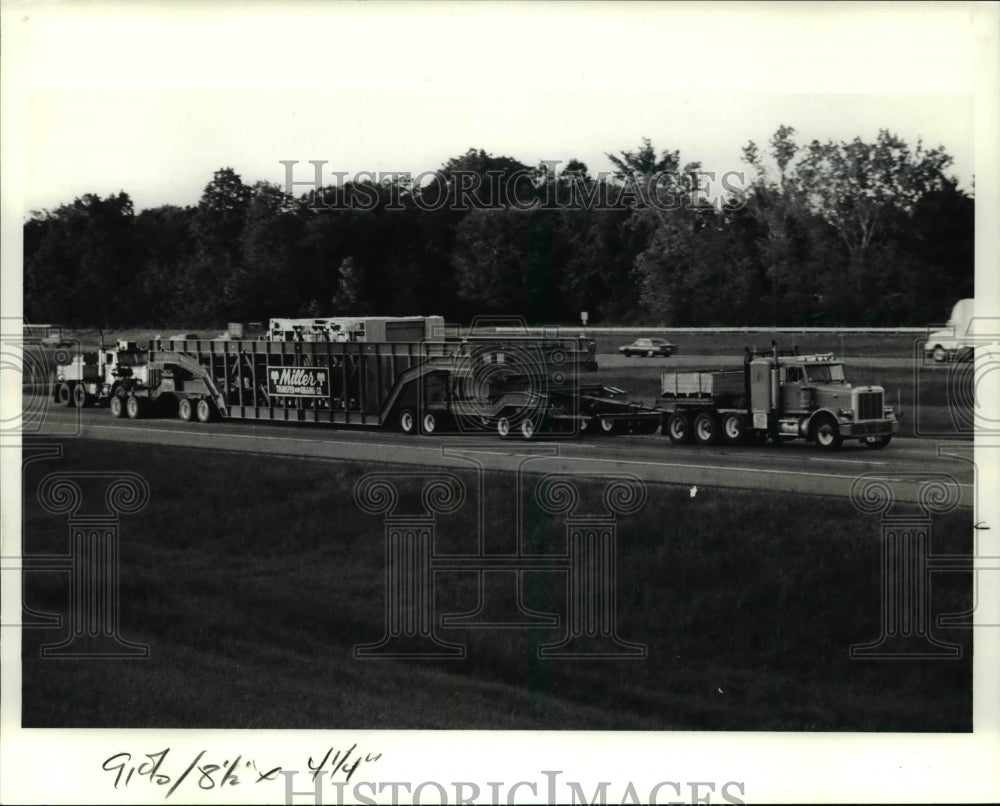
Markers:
(407, 372)
(777, 396)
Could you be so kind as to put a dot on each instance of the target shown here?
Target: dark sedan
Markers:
(649, 348)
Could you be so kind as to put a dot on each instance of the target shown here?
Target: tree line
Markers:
(836, 233)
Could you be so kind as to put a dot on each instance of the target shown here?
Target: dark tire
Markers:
(503, 428)
(877, 442)
(134, 408)
(431, 423)
(407, 421)
(528, 429)
(706, 429)
(185, 409)
(203, 411)
(650, 354)
(64, 395)
(606, 426)
(679, 429)
(117, 406)
(80, 396)
(732, 429)
(826, 432)
(645, 426)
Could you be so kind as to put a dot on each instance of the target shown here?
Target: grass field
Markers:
(252, 580)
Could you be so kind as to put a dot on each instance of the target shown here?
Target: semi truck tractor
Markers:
(95, 378)
(778, 396)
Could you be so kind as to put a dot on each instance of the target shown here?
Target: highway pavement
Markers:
(909, 467)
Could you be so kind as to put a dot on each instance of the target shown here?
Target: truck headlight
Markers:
(846, 412)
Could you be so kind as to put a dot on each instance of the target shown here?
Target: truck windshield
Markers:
(826, 373)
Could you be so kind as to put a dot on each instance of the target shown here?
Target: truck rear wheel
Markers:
(503, 428)
(679, 428)
(733, 432)
(606, 426)
(134, 407)
(117, 406)
(185, 409)
(826, 432)
(64, 395)
(80, 396)
(706, 429)
(203, 411)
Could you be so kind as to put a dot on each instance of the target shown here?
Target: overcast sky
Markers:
(152, 98)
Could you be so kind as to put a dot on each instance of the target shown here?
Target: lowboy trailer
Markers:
(332, 371)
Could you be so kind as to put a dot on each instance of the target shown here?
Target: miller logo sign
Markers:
(298, 381)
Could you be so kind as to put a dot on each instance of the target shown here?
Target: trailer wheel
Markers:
(203, 411)
(606, 426)
(503, 427)
(647, 425)
(117, 406)
(826, 432)
(185, 409)
(733, 431)
(64, 395)
(407, 421)
(679, 428)
(428, 423)
(706, 429)
(133, 407)
(528, 429)
(80, 396)
(877, 442)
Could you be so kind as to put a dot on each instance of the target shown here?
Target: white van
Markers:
(955, 342)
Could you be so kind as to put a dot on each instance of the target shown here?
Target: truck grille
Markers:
(870, 406)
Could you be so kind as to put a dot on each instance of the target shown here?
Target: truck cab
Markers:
(814, 400)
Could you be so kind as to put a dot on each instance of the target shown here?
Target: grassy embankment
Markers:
(252, 579)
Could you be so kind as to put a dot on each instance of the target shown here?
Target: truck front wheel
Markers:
(733, 431)
(826, 432)
(679, 428)
(117, 406)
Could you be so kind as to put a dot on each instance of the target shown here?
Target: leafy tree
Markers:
(81, 261)
(855, 186)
